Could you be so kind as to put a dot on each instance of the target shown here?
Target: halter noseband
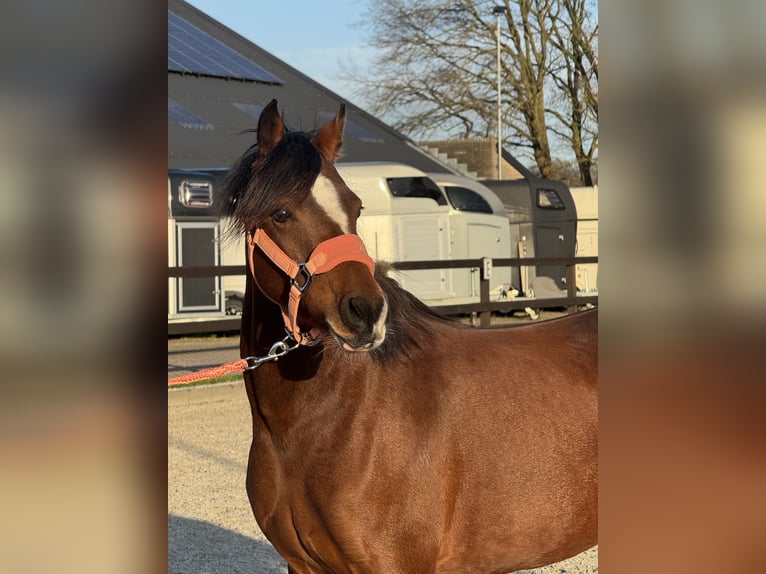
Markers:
(326, 256)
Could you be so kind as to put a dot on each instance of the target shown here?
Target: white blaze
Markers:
(328, 199)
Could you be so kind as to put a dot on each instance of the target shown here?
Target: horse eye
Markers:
(281, 216)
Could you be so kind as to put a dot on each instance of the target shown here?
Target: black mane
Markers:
(410, 320)
(253, 190)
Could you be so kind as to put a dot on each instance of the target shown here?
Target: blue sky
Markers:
(312, 36)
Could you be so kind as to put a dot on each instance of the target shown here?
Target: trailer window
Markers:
(415, 187)
(549, 199)
(195, 193)
(464, 199)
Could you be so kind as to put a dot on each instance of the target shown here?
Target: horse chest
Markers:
(344, 493)
(311, 516)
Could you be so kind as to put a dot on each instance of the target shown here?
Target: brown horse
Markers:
(392, 440)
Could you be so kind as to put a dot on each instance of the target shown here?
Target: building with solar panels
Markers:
(218, 83)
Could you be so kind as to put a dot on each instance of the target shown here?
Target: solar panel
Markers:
(193, 51)
(254, 111)
(353, 129)
(185, 118)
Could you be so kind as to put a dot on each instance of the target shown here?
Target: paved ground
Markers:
(211, 529)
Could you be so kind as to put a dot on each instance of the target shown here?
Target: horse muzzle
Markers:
(364, 323)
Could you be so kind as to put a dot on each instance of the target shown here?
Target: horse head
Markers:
(300, 219)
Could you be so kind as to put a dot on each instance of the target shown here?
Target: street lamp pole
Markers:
(498, 10)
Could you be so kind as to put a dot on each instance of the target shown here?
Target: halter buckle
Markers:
(303, 273)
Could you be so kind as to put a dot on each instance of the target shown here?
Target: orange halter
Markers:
(326, 256)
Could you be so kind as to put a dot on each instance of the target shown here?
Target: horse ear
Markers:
(271, 128)
(330, 138)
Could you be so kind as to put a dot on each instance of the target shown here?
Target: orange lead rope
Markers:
(211, 373)
(278, 349)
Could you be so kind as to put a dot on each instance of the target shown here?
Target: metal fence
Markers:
(483, 308)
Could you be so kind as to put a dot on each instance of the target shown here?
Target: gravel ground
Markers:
(195, 353)
(211, 529)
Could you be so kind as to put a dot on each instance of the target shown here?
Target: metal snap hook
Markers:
(277, 350)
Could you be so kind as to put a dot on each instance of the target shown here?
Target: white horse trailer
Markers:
(586, 203)
(479, 229)
(406, 217)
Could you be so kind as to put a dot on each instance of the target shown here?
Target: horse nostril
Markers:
(358, 313)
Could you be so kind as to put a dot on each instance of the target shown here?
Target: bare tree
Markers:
(435, 75)
(576, 77)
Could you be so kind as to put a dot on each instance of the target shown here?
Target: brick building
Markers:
(478, 156)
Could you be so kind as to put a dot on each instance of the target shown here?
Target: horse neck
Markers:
(261, 324)
(284, 395)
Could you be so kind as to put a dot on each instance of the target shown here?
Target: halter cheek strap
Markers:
(326, 256)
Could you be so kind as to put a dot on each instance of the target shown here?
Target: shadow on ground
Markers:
(198, 547)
